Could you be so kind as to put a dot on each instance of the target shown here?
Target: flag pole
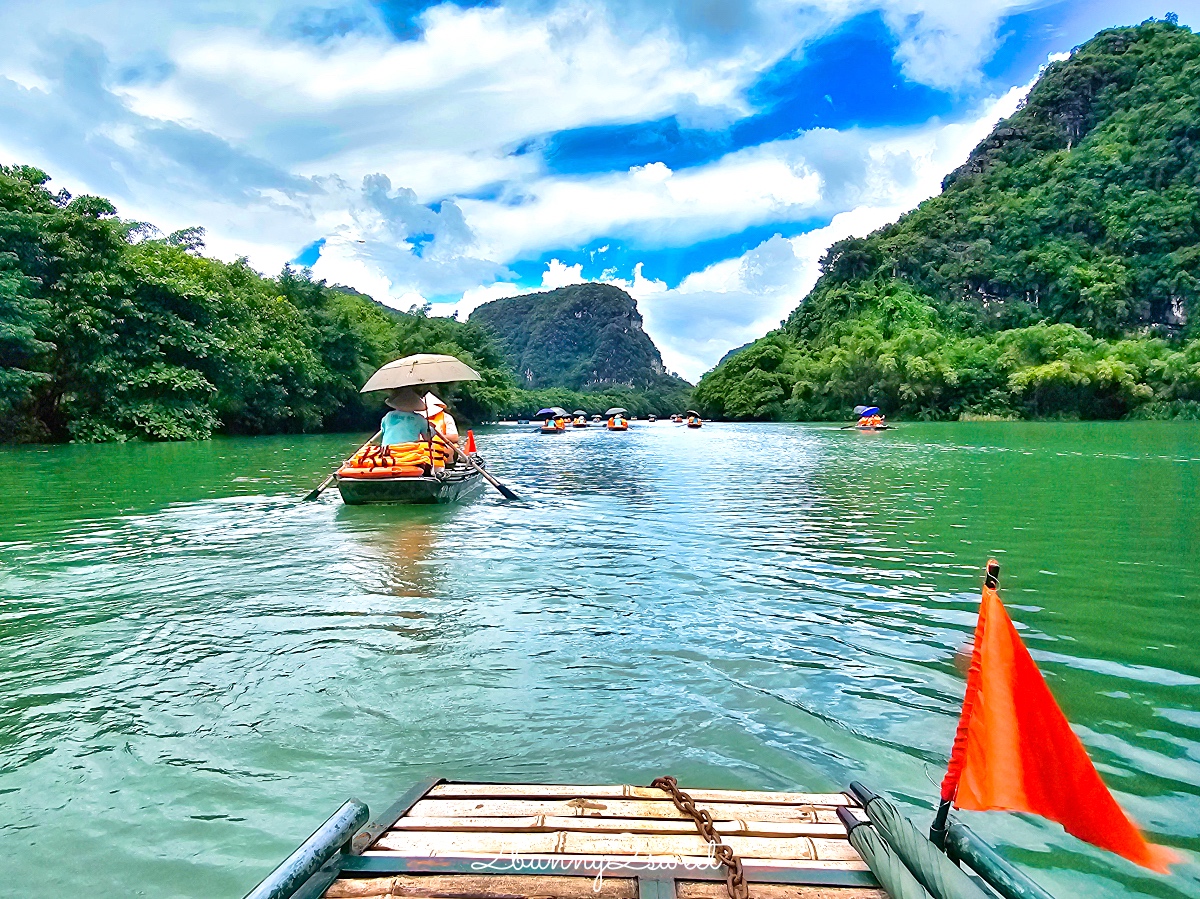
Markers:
(937, 830)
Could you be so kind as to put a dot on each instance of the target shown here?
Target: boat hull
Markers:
(452, 487)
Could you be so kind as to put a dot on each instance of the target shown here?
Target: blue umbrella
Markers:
(869, 410)
(545, 412)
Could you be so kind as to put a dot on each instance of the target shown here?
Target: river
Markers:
(196, 668)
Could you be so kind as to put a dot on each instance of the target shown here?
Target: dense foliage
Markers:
(110, 333)
(1057, 274)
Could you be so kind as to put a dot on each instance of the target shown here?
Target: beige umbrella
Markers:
(423, 368)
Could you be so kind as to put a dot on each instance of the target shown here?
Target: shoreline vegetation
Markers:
(1057, 275)
(110, 332)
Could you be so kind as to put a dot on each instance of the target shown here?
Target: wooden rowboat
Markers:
(507, 841)
(450, 485)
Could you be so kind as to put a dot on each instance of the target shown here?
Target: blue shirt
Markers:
(402, 427)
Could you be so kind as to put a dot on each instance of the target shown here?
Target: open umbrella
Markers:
(868, 410)
(423, 368)
(692, 412)
(617, 410)
(579, 412)
(545, 413)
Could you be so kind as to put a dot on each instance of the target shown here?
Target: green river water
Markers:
(196, 669)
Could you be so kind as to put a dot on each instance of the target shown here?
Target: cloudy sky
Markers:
(700, 153)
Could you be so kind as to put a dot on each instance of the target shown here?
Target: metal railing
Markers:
(332, 837)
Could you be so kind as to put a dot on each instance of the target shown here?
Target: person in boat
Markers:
(440, 418)
(406, 423)
(441, 421)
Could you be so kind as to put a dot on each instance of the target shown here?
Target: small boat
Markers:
(555, 420)
(651, 417)
(450, 485)
(870, 419)
(617, 420)
(677, 418)
(422, 471)
(580, 420)
(596, 418)
(693, 419)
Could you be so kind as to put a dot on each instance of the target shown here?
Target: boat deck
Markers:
(504, 841)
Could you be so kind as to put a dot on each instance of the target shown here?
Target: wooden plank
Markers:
(424, 843)
(628, 791)
(536, 823)
(691, 889)
(487, 886)
(579, 806)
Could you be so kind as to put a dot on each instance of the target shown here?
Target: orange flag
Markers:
(1014, 750)
(470, 442)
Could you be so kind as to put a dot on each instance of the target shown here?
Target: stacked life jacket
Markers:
(403, 460)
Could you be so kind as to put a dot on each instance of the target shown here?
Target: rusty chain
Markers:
(735, 877)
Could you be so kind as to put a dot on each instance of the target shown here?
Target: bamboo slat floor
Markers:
(506, 841)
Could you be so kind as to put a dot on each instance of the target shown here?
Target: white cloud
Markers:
(650, 202)
(943, 42)
(559, 274)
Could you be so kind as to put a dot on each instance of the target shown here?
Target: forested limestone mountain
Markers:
(585, 337)
(1056, 275)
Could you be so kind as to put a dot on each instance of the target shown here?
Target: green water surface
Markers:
(196, 669)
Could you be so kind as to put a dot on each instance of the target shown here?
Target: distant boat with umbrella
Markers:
(554, 420)
(580, 420)
(870, 419)
(617, 420)
(693, 418)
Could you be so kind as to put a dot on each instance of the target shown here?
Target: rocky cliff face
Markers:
(582, 337)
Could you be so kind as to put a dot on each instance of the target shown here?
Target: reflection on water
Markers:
(195, 667)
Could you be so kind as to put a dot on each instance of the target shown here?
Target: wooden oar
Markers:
(504, 491)
(329, 480)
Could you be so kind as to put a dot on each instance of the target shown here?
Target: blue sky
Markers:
(701, 154)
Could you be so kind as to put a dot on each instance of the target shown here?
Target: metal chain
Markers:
(735, 877)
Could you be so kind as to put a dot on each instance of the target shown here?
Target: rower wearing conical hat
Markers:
(405, 423)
